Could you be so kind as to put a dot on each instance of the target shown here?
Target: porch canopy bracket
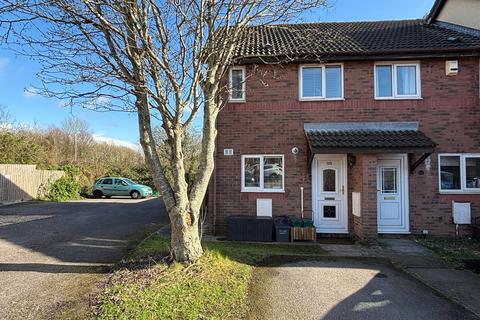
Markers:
(367, 137)
(414, 164)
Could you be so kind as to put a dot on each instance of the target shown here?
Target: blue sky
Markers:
(17, 74)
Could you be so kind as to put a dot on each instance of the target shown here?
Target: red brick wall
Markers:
(362, 178)
(355, 184)
(271, 122)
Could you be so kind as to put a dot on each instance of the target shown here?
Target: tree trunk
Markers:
(185, 241)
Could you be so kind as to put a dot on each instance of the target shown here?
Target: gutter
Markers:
(381, 55)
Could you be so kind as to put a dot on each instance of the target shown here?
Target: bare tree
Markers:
(79, 134)
(162, 59)
(5, 121)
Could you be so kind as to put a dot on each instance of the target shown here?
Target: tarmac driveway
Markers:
(345, 289)
(52, 254)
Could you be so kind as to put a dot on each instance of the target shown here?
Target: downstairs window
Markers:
(459, 172)
(262, 173)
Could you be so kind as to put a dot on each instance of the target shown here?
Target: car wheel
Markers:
(135, 194)
(97, 194)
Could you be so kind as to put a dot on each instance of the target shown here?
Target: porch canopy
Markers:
(368, 137)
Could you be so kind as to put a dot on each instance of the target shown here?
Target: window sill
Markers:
(399, 98)
(237, 100)
(321, 99)
(263, 191)
(460, 192)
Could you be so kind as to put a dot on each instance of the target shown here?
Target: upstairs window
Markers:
(319, 82)
(397, 81)
(459, 172)
(237, 84)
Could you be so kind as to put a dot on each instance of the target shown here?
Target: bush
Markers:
(65, 188)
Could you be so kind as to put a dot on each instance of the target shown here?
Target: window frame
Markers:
(262, 182)
(463, 174)
(323, 97)
(244, 95)
(395, 65)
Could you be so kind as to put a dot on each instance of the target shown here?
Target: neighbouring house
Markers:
(376, 124)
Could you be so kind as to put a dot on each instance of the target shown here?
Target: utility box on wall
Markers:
(356, 204)
(451, 67)
(264, 207)
(461, 212)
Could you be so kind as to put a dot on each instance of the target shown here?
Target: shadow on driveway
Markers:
(90, 231)
(332, 288)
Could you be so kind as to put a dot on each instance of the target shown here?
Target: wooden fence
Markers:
(22, 182)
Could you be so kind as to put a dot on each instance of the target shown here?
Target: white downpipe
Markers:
(301, 200)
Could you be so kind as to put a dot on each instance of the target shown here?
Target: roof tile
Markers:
(298, 41)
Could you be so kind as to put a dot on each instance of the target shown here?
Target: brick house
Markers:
(369, 127)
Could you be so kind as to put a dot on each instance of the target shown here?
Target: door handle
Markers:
(343, 189)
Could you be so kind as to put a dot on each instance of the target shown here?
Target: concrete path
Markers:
(462, 286)
(52, 254)
(346, 288)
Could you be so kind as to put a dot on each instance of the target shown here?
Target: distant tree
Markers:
(161, 59)
(78, 134)
(15, 148)
(5, 120)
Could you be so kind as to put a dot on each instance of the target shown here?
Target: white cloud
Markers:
(100, 137)
(30, 92)
(62, 103)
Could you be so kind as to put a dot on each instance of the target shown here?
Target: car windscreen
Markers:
(128, 181)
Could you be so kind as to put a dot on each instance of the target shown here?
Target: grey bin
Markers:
(282, 231)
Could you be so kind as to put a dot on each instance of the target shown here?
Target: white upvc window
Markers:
(263, 173)
(459, 172)
(397, 80)
(320, 82)
(237, 84)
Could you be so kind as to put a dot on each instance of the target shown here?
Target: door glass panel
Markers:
(329, 180)
(473, 172)
(389, 180)
(329, 211)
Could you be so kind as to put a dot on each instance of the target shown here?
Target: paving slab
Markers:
(405, 246)
(462, 286)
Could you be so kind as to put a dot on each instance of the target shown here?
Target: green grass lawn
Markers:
(215, 287)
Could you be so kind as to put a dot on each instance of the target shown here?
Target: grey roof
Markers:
(352, 137)
(339, 40)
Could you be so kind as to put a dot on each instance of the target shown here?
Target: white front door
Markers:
(330, 193)
(392, 194)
